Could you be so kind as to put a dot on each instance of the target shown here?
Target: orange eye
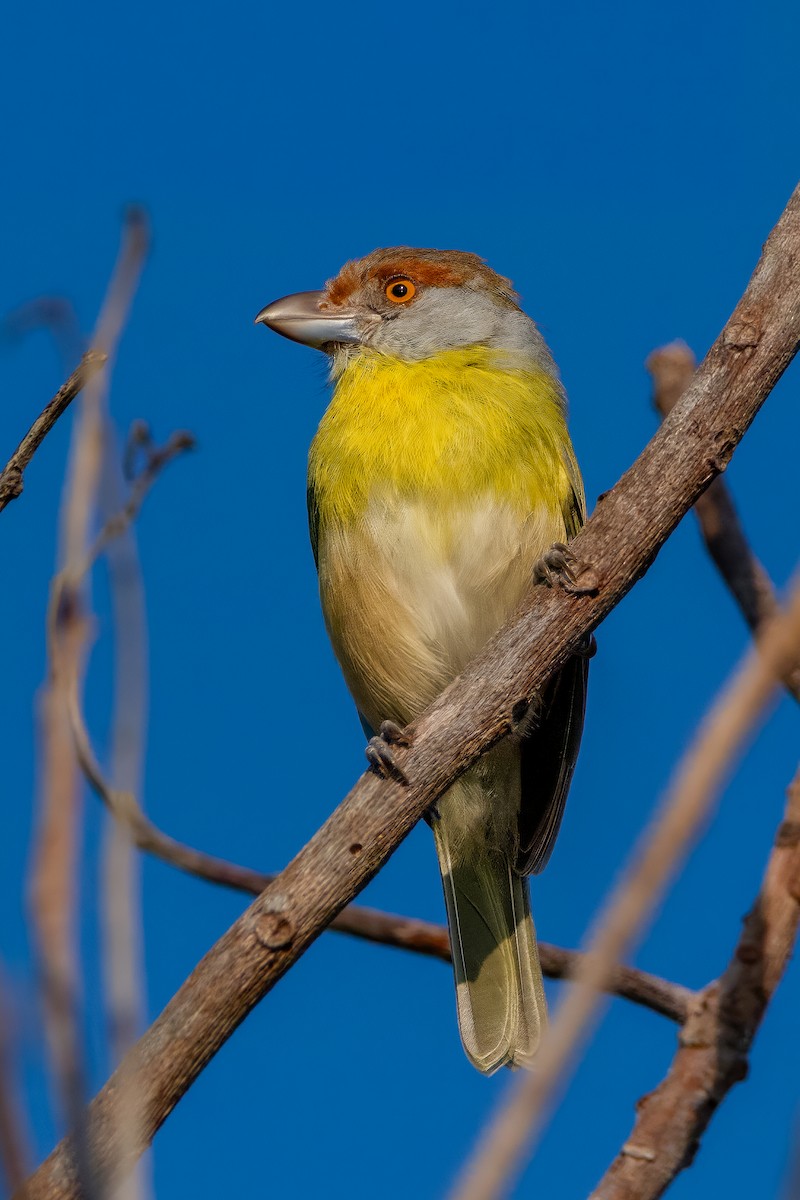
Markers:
(400, 290)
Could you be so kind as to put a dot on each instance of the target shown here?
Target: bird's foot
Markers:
(380, 754)
(558, 567)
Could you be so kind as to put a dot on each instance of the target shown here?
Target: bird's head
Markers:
(409, 304)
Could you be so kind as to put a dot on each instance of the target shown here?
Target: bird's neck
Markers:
(459, 424)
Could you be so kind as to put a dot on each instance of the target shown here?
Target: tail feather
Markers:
(499, 989)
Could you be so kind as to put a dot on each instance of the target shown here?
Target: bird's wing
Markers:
(549, 754)
(574, 508)
(550, 751)
(313, 520)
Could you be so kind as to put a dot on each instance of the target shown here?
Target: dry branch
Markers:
(407, 933)
(698, 780)
(672, 368)
(11, 477)
(617, 545)
(370, 924)
(715, 1042)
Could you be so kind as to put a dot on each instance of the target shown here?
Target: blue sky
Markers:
(623, 165)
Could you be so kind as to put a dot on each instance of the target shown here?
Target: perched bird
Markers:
(439, 476)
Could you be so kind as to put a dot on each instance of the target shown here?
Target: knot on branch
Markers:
(272, 927)
(742, 336)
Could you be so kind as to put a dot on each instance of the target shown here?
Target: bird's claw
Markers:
(558, 567)
(380, 755)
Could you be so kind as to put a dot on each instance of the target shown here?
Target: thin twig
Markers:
(671, 368)
(686, 806)
(11, 477)
(715, 1044)
(616, 546)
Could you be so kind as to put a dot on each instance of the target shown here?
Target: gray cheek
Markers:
(438, 321)
(447, 318)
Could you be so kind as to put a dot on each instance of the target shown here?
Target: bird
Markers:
(442, 483)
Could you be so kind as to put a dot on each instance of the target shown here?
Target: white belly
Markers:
(411, 594)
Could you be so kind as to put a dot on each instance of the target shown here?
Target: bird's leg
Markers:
(558, 567)
(379, 751)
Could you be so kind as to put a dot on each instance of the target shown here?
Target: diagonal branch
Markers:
(714, 1045)
(617, 545)
(11, 477)
(672, 368)
(370, 924)
(407, 933)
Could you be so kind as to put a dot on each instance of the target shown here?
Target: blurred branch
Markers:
(714, 1045)
(158, 458)
(688, 803)
(86, 456)
(56, 315)
(54, 876)
(11, 477)
(15, 1155)
(614, 549)
(55, 872)
(671, 368)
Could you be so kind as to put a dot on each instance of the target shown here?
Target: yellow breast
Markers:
(461, 424)
(433, 488)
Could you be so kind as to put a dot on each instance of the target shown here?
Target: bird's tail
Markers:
(499, 990)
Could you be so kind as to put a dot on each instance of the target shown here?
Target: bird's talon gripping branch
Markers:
(380, 755)
(559, 567)
(393, 734)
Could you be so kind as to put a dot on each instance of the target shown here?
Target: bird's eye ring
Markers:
(400, 290)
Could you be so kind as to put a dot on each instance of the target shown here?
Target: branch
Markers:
(697, 783)
(11, 477)
(672, 368)
(407, 933)
(714, 1045)
(15, 1156)
(476, 711)
(370, 924)
(55, 871)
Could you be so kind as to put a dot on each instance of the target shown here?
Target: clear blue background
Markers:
(623, 164)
